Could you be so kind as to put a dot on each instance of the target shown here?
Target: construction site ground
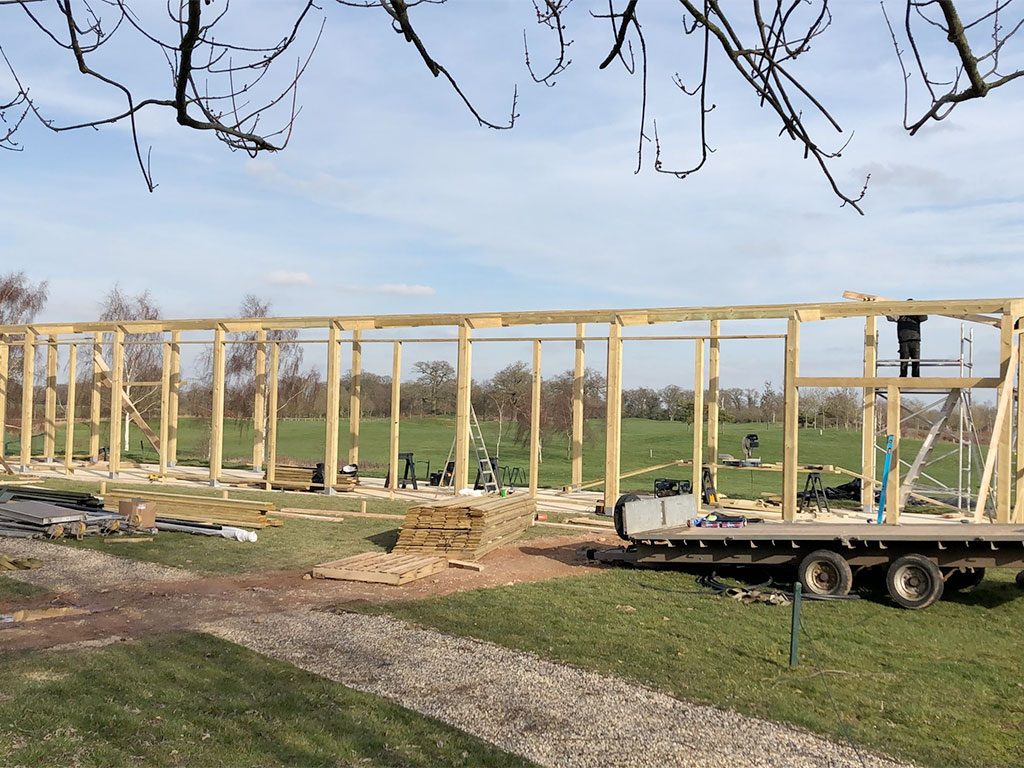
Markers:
(573, 664)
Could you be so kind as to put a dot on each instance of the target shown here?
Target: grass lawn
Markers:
(12, 589)
(944, 686)
(194, 700)
(644, 443)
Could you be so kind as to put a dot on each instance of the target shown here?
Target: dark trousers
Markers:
(910, 352)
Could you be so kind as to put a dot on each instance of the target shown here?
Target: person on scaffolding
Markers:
(908, 333)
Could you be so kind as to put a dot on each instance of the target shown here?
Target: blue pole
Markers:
(885, 479)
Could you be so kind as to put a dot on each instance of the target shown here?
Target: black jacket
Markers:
(908, 327)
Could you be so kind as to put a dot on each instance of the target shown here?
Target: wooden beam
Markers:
(69, 409)
(217, 409)
(999, 424)
(1004, 459)
(868, 399)
(116, 401)
(333, 408)
(791, 420)
(128, 405)
(354, 405)
(714, 386)
(259, 405)
(50, 402)
(578, 372)
(396, 413)
(275, 364)
(5, 382)
(892, 427)
(28, 376)
(173, 399)
(969, 317)
(535, 422)
(882, 382)
(95, 398)
(462, 407)
(613, 416)
(698, 420)
(165, 396)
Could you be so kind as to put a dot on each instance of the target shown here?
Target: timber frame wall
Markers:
(39, 338)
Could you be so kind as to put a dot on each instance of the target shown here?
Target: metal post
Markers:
(794, 627)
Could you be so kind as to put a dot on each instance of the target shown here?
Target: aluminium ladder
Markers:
(485, 469)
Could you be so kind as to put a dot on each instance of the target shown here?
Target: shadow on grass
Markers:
(384, 539)
(986, 596)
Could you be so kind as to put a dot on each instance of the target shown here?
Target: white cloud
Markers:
(284, 277)
(392, 289)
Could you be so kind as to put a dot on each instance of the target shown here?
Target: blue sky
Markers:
(391, 199)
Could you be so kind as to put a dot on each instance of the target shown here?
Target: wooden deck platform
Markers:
(381, 567)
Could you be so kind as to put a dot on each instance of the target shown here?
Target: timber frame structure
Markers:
(1003, 314)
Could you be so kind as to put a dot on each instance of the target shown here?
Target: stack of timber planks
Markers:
(465, 527)
(199, 509)
(301, 478)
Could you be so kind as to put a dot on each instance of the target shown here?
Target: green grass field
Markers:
(944, 687)
(644, 443)
(194, 700)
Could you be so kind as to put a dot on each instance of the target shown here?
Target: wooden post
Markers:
(462, 407)
(165, 396)
(28, 376)
(868, 398)
(535, 422)
(50, 402)
(1004, 458)
(95, 398)
(613, 410)
(714, 388)
(172, 400)
(69, 410)
(698, 420)
(354, 405)
(578, 372)
(791, 420)
(892, 427)
(259, 405)
(116, 393)
(396, 409)
(5, 356)
(1018, 508)
(333, 406)
(275, 364)
(217, 410)
(1000, 426)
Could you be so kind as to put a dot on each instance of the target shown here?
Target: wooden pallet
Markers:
(381, 568)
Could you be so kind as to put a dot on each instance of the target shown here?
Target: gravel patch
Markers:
(68, 569)
(554, 714)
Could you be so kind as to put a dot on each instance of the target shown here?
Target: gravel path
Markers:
(554, 714)
(69, 569)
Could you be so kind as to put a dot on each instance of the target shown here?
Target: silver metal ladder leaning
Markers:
(486, 476)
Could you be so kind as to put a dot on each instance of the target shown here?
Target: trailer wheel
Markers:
(824, 572)
(914, 581)
(620, 505)
(963, 578)
(1020, 579)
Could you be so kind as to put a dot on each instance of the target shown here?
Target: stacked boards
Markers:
(301, 478)
(200, 509)
(465, 527)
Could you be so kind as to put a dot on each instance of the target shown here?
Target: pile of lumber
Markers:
(467, 527)
(33, 512)
(381, 568)
(301, 478)
(199, 509)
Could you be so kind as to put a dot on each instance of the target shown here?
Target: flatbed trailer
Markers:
(921, 560)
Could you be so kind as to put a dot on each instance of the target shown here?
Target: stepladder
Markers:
(487, 475)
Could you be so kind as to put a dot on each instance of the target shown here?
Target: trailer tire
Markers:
(824, 572)
(963, 578)
(1020, 579)
(620, 505)
(914, 582)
